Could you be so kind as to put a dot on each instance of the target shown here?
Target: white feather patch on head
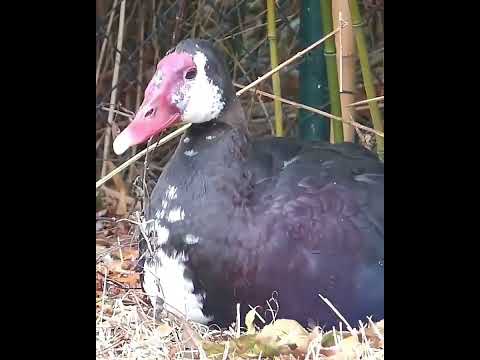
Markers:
(165, 278)
(200, 99)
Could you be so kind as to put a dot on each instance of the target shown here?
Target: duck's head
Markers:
(190, 84)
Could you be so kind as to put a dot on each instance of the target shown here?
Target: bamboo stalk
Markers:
(332, 73)
(313, 82)
(340, 53)
(272, 37)
(377, 120)
(113, 96)
(346, 63)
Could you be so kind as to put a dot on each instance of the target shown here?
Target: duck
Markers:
(235, 222)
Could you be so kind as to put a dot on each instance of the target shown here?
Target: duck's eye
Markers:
(191, 74)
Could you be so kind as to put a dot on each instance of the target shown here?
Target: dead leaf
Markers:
(127, 253)
(164, 330)
(328, 339)
(288, 336)
(132, 280)
(345, 350)
(128, 265)
(118, 266)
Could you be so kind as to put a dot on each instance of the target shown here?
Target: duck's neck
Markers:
(221, 146)
(224, 138)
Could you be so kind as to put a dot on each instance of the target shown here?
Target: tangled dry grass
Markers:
(130, 332)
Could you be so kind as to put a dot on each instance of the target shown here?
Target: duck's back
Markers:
(293, 219)
(318, 226)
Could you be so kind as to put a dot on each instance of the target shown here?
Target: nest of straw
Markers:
(126, 327)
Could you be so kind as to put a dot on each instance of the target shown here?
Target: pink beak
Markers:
(157, 111)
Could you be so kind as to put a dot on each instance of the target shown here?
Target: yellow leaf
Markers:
(164, 330)
(344, 350)
(328, 339)
(285, 335)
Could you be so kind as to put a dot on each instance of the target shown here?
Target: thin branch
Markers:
(247, 30)
(179, 19)
(288, 62)
(105, 40)
(138, 98)
(162, 141)
(118, 112)
(113, 99)
(337, 313)
(314, 110)
(378, 98)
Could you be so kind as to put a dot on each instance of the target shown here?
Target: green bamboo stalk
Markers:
(357, 24)
(272, 37)
(332, 73)
(313, 75)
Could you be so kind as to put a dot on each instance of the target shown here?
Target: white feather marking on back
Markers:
(191, 239)
(171, 192)
(190, 153)
(288, 162)
(165, 278)
(176, 214)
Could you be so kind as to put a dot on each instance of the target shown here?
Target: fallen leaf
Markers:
(345, 350)
(128, 265)
(163, 330)
(328, 339)
(288, 336)
(132, 279)
(118, 266)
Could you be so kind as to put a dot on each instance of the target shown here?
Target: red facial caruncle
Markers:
(157, 111)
